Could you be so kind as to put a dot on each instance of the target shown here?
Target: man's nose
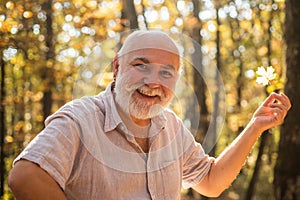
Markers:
(153, 80)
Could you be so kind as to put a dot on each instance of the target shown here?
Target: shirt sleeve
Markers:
(196, 164)
(54, 148)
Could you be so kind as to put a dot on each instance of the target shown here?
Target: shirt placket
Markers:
(154, 180)
(151, 179)
(131, 139)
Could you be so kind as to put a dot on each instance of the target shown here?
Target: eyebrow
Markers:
(147, 61)
(143, 59)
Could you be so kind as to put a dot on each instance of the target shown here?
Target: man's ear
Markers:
(115, 66)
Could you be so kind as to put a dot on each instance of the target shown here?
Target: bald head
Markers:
(148, 40)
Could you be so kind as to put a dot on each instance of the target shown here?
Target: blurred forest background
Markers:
(48, 48)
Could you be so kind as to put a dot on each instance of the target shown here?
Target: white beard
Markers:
(135, 107)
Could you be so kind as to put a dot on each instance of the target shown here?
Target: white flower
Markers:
(265, 76)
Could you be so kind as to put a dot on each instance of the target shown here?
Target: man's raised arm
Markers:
(227, 166)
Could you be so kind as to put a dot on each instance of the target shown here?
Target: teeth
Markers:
(147, 92)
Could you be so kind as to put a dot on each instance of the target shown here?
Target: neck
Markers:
(141, 122)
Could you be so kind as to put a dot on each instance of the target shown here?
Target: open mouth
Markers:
(147, 93)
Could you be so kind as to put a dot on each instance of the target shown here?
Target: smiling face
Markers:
(145, 82)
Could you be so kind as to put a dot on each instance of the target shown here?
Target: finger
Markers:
(281, 99)
(278, 105)
(270, 99)
(287, 101)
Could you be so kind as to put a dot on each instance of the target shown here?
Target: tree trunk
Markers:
(287, 173)
(264, 138)
(47, 74)
(200, 90)
(199, 83)
(213, 137)
(129, 13)
(2, 127)
(251, 188)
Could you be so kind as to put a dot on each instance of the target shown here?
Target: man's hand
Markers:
(271, 112)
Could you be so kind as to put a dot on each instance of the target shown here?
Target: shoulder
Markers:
(172, 117)
(80, 109)
(175, 124)
(85, 104)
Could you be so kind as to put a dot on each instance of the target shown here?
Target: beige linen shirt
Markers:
(91, 154)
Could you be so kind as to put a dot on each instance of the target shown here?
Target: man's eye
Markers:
(140, 66)
(166, 74)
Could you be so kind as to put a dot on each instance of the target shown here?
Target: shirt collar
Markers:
(112, 117)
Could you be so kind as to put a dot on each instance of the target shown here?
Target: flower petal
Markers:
(261, 71)
(270, 70)
(262, 80)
